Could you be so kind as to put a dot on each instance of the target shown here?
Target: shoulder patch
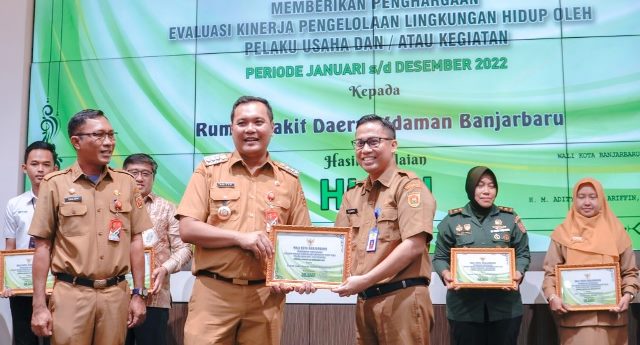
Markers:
(520, 224)
(505, 209)
(454, 211)
(48, 176)
(287, 168)
(216, 159)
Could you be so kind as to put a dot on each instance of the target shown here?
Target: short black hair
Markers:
(141, 158)
(41, 145)
(249, 99)
(80, 118)
(375, 118)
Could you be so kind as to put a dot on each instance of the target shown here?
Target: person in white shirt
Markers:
(39, 159)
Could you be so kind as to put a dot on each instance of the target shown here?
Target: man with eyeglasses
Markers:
(88, 226)
(391, 214)
(170, 253)
(230, 203)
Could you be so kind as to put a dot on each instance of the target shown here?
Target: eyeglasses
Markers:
(144, 173)
(99, 136)
(373, 142)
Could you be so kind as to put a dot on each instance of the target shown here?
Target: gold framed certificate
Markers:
(149, 263)
(318, 255)
(483, 268)
(589, 287)
(16, 268)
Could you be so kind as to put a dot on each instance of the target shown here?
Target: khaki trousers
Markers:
(83, 315)
(404, 316)
(224, 313)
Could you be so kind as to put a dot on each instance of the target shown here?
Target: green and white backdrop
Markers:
(543, 92)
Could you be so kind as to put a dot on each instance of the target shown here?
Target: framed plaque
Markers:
(309, 254)
(589, 287)
(149, 263)
(16, 266)
(483, 268)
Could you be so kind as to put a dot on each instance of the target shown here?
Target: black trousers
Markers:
(153, 330)
(21, 311)
(501, 332)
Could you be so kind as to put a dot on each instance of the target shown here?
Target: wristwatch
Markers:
(142, 292)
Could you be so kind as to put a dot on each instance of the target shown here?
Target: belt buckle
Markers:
(100, 284)
(237, 281)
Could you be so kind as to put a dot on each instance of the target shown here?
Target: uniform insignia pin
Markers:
(224, 212)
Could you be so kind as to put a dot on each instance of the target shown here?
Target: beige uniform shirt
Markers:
(75, 214)
(222, 181)
(406, 209)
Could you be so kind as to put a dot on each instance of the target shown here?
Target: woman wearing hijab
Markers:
(591, 234)
(482, 316)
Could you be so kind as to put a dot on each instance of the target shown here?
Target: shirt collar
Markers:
(384, 179)
(151, 197)
(236, 159)
(467, 211)
(30, 198)
(76, 173)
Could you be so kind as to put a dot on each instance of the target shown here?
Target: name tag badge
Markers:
(372, 240)
(500, 230)
(73, 198)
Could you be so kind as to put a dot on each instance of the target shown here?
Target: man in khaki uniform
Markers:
(391, 217)
(229, 204)
(87, 226)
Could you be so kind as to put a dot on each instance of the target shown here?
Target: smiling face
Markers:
(586, 201)
(251, 130)
(486, 191)
(94, 153)
(375, 160)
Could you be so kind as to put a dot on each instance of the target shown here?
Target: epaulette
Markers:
(48, 176)
(454, 211)
(122, 171)
(216, 159)
(409, 174)
(505, 209)
(287, 168)
(413, 184)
